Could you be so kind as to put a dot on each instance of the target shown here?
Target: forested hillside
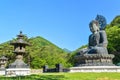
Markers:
(40, 53)
(113, 35)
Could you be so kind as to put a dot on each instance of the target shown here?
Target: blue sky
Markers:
(63, 22)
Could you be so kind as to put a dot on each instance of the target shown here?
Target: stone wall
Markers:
(36, 71)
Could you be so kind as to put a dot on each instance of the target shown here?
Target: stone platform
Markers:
(2, 71)
(17, 71)
(95, 69)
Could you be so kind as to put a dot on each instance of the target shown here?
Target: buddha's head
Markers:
(94, 26)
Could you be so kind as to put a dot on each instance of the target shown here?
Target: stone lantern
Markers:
(19, 67)
(19, 51)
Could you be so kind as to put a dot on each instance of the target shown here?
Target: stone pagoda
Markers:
(3, 61)
(19, 67)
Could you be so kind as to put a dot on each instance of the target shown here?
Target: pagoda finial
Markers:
(20, 36)
(20, 32)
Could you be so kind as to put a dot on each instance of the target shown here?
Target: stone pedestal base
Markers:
(17, 71)
(95, 69)
(94, 60)
(2, 71)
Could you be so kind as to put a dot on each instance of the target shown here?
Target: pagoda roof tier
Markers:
(19, 41)
(3, 58)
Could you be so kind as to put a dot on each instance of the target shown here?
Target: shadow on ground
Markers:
(35, 77)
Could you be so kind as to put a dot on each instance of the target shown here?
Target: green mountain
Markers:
(41, 52)
(67, 50)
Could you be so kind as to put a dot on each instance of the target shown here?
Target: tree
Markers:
(113, 35)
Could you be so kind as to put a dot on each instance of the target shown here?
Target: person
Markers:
(97, 40)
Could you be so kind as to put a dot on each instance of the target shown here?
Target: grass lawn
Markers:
(67, 76)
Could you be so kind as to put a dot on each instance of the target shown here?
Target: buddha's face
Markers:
(94, 28)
